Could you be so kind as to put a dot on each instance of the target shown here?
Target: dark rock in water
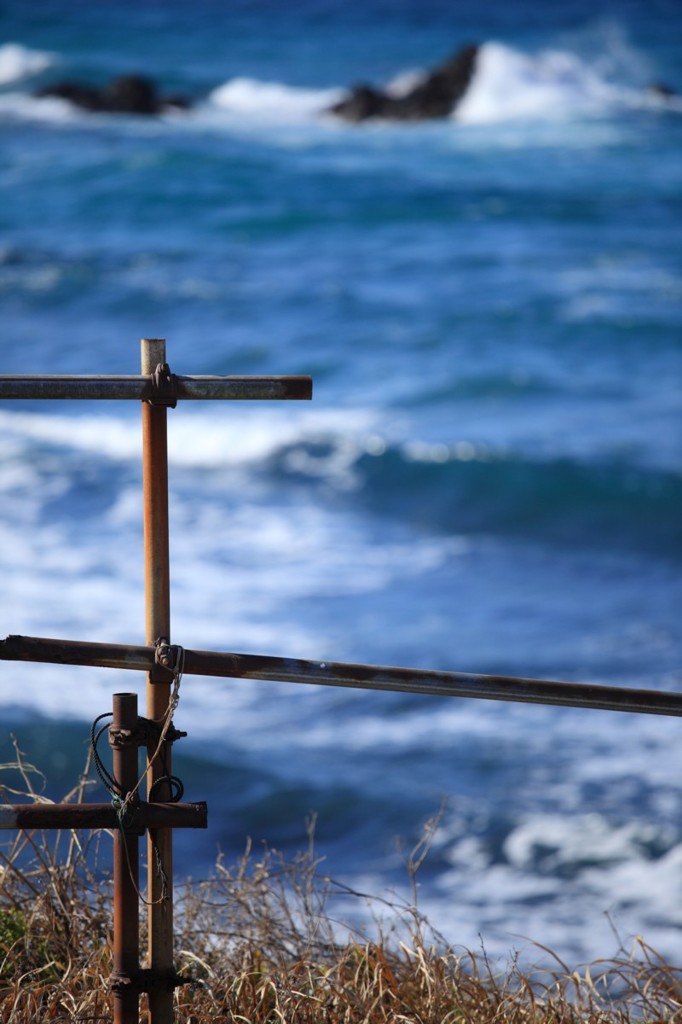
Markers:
(435, 95)
(361, 104)
(662, 91)
(80, 95)
(130, 94)
(440, 92)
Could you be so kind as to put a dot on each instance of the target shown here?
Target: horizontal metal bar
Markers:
(367, 677)
(76, 652)
(142, 815)
(142, 388)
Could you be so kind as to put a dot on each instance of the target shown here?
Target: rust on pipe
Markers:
(126, 872)
(157, 625)
(368, 677)
(75, 652)
(141, 387)
(155, 501)
(92, 816)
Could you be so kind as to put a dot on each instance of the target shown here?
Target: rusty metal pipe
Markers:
(366, 677)
(157, 624)
(91, 816)
(130, 387)
(155, 501)
(126, 873)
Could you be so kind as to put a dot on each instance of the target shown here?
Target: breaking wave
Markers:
(248, 96)
(461, 488)
(18, 62)
(508, 86)
(470, 489)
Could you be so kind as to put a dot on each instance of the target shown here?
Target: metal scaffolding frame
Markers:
(158, 390)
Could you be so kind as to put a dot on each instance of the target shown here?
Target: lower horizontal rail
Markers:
(74, 816)
(367, 677)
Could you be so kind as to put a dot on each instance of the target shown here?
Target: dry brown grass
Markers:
(259, 945)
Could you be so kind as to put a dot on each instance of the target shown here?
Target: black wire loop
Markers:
(175, 785)
(106, 778)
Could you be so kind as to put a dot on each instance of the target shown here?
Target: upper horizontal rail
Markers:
(141, 387)
(368, 677)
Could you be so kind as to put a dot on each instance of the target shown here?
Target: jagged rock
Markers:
(435, 95)
(80, 95)
(129, 94)
(362, 103)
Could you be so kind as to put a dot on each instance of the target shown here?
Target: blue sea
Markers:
(488, 478)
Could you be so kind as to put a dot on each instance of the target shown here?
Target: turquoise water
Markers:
(488, 478)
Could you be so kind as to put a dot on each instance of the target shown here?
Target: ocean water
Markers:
(488, 478)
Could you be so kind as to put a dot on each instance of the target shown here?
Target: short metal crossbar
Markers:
(143, 816)
(152, 388)
(158, 389)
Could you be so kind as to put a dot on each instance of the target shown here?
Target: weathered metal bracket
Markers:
(145, 980)
(164, 386)
(145, 734)
(167, 655)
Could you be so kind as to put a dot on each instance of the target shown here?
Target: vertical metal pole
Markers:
(157, 617)
(126, 872)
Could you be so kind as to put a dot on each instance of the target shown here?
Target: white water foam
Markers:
(508, 86)
(570, 878)
(554, 84)
(233, 584)
(199, 438)
(20, 106)
(18, 62)
(248, 97)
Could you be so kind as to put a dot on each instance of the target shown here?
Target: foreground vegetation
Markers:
(258, 945)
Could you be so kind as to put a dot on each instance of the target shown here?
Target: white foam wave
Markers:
(553, 84)
(561, 844)
(508, 86)
(504, 908)
(559, 877)
(199, 438)
(20, 106)
(248, 97)
(18, 62)
(110, 436)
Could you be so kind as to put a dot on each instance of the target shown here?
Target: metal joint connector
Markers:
(136, 737)
(172, 734)
(164, 387)
(150, 733)
(145, 734)
(167, 655)
(145, 980)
